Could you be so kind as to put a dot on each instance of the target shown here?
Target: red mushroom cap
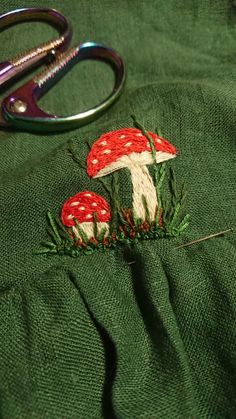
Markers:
(82, 206)
(111, 146)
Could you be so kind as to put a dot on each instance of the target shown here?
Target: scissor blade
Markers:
(5, 72)
(25, 60)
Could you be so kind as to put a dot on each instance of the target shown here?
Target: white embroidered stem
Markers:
(88, 228)
(143, 185)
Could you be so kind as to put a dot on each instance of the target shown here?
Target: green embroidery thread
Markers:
(125, 225)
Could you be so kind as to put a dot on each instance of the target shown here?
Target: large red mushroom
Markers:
(130, 148)
(83, 207)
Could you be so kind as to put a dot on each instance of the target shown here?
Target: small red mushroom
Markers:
(130, 148)
(82, 207)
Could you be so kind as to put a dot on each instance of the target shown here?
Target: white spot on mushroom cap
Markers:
(87, 194)
(106, 151)
(122, 136)
(103, 211)
(128, 144)
(89, 216)
(70, 217)
(82, 208)
(158, 140)
(139, 134)
(94, 161)
(103, 143)
(74, 204)
(94, 204)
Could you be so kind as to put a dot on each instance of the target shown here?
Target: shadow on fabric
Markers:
(110, 356)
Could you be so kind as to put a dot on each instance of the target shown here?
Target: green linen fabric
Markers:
(97, 336)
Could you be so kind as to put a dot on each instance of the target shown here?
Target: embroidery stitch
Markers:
(132, 149)
(87, 223)
(82, 207)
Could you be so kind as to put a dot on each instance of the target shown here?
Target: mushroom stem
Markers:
(88, 228)
(143, 185)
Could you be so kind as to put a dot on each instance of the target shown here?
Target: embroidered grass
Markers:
(125, 226)
(168, 223)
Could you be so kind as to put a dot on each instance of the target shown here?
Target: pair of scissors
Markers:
(20, 109)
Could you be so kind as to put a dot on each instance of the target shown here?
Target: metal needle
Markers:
(205, 238)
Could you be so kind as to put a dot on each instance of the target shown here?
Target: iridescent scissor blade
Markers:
(27, 59)
(21, 110)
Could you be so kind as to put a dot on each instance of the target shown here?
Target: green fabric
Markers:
(96, 336)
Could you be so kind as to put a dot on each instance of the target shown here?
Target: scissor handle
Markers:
(27, 59)
(20, 108)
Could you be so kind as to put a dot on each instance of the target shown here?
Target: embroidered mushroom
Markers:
(82, 207)
(130, 148)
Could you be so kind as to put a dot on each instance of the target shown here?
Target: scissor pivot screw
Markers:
(18, 106)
